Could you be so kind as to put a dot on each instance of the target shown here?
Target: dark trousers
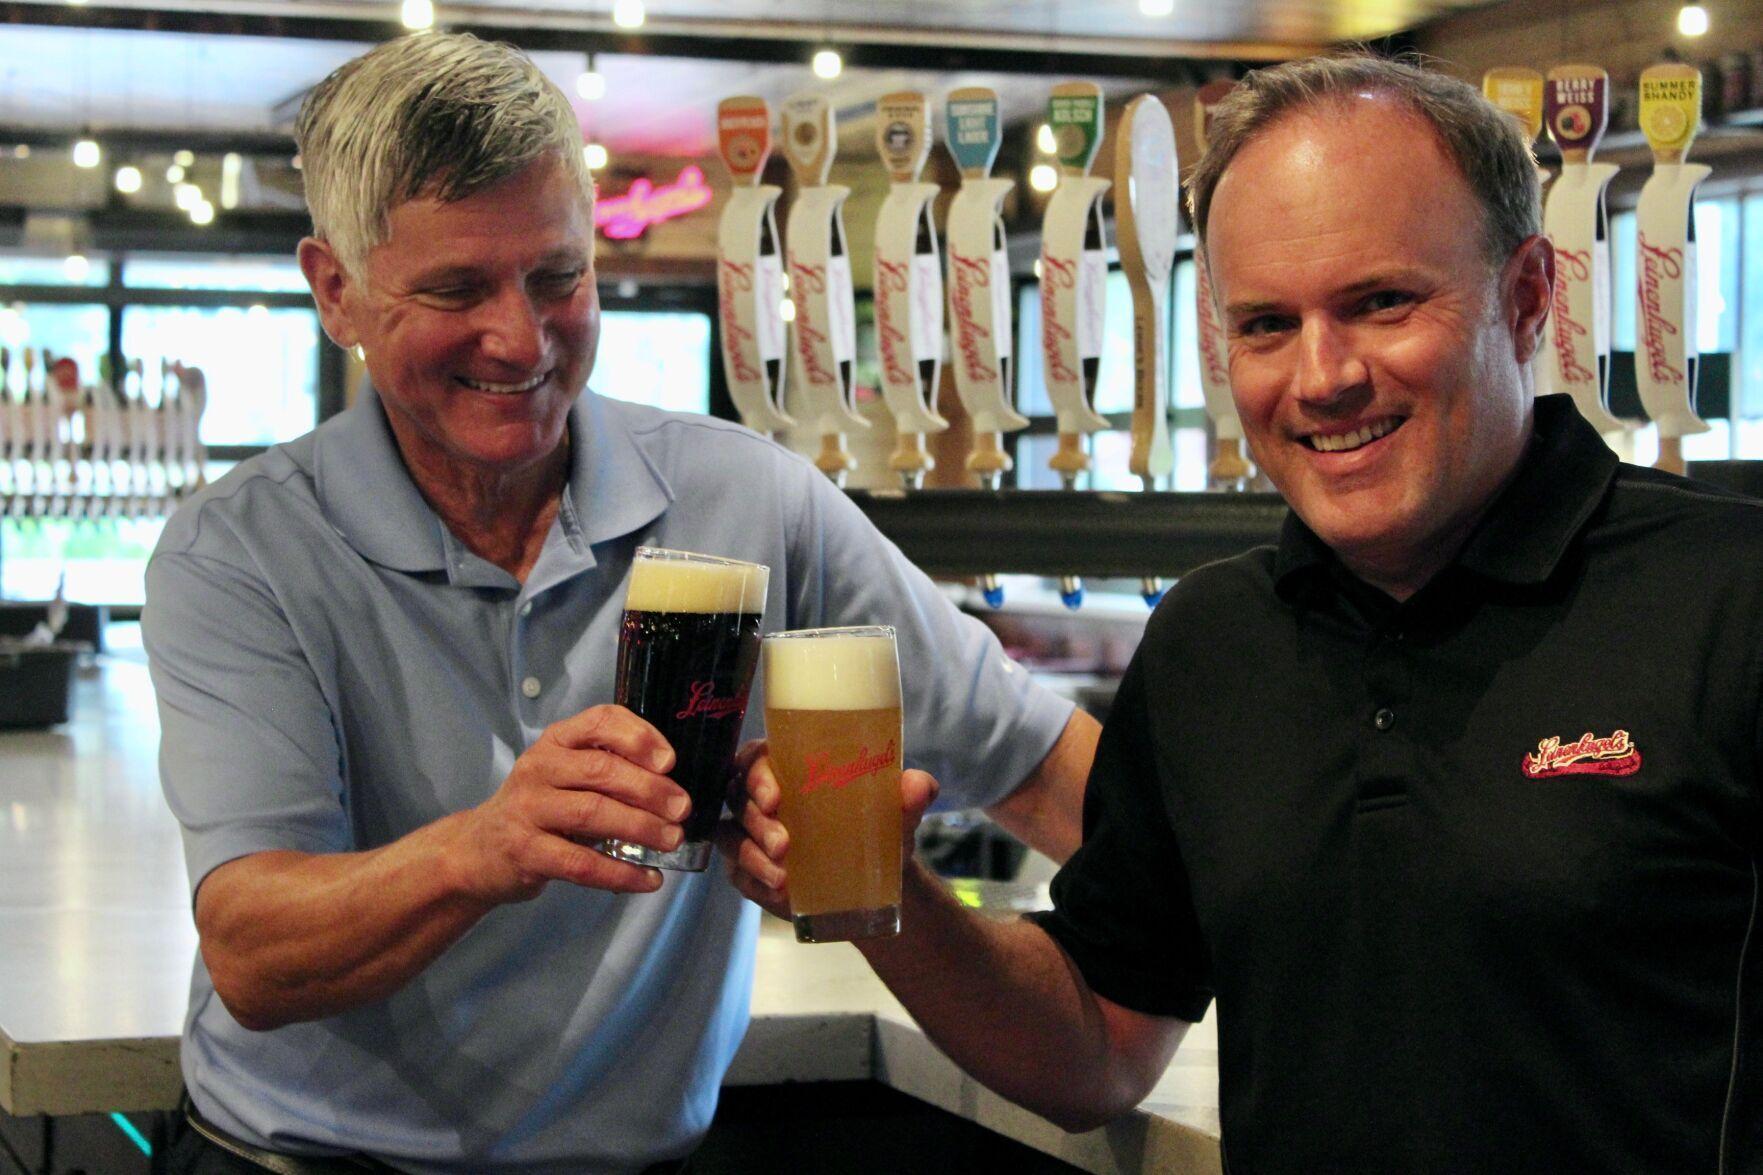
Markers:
(187, 1152)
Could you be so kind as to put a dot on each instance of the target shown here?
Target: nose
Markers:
(510, 329)
(1328, 367)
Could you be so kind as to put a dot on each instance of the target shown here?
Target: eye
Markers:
(558, 283)
(1263, 325)
(1384, 300)
(451, 297)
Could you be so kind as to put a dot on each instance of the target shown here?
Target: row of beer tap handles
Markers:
(75, 449)
(914, 286)
(1572, 101)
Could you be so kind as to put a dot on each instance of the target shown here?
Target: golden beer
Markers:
(832, 717)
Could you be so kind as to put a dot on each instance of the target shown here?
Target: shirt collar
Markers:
(369, 499)
(1561, 480)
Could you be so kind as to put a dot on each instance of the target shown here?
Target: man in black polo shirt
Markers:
(1450, 801)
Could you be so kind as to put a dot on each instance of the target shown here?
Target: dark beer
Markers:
(687, 647)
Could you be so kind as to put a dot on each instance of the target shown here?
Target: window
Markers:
(260, 365)
(660, 358)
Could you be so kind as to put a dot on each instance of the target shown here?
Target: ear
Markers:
(1529, 290)
(331, 290)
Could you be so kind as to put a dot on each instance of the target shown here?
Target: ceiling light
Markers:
(22, 151)
(202, 213)
(184, 158)
(595, 156)
(76, 266)
(174, 174)
(1044, 139)
(628, 14)
(86, 153)
(1043, 177)
(186, 196)
(419, 14)
(591, 84)
(128, 178)
(1156, 7)
(1692, 20)
(828, 64)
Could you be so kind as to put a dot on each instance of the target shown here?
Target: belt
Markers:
(275, 1161)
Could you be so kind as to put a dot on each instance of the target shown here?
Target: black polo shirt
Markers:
(1472, 876)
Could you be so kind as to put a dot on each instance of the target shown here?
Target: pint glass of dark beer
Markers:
(687, 647)
(832, 718)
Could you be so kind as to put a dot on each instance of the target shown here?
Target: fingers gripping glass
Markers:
(832, 718)
(687, 647)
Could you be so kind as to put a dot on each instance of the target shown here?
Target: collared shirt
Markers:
(1473, 877)
(335, 669)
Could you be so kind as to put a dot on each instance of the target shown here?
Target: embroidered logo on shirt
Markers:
(1586, 755)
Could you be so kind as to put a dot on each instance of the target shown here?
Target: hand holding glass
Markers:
(832, 718)
(687, 647)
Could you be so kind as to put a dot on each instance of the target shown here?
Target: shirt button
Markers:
(1383, 719)
(530, 687)
(526, 609)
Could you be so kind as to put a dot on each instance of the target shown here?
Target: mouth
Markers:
(502, 389)
(1358, 438)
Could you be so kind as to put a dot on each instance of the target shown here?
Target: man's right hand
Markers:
(594, 776)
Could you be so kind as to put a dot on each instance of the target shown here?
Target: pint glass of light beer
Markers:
(687, 648)
(832, 717)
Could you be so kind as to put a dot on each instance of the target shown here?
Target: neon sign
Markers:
(623, 218)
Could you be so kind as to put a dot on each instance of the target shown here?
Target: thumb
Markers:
(918, 790)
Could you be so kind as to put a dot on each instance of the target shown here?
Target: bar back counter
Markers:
(96, 943)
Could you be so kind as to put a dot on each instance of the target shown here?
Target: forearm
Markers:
(290, 937)
(1046, 811)
(1008, 1006)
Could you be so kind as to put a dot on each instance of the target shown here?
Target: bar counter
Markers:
(96, 942)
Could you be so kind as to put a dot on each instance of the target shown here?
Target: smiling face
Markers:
(1376, 355)
(479, 319)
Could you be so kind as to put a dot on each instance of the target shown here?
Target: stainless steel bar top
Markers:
(96, 943)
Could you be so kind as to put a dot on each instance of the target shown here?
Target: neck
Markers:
(500, 516)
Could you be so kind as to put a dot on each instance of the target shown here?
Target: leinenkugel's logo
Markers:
(823, 772)
(1586, 755)
(703, 703)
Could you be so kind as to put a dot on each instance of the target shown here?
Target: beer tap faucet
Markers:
(820, 285)
(1665, 259)
(1229, 470)
(1575, 109)
(908, 285)
(1074, 283)
(749, 270)
(1146, 195)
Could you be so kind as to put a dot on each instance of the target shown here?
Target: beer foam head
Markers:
(678, 582)
(835, 672)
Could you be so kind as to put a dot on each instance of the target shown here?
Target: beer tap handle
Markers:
(820, 283)
(1666, 264)
(908, 284)
(1519, 92)
(1229, 469)
(749, 269)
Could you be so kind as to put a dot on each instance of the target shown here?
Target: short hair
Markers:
(431, 114)
(1488, 145)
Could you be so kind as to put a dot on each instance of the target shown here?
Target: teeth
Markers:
(480, 385)
(1341, 442)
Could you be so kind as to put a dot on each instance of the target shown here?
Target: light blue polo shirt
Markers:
(335, 669)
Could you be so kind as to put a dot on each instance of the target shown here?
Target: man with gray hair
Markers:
(384, 655)
(1458, 825)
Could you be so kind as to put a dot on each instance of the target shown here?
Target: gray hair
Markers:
(432, 114)
(1487, 144)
